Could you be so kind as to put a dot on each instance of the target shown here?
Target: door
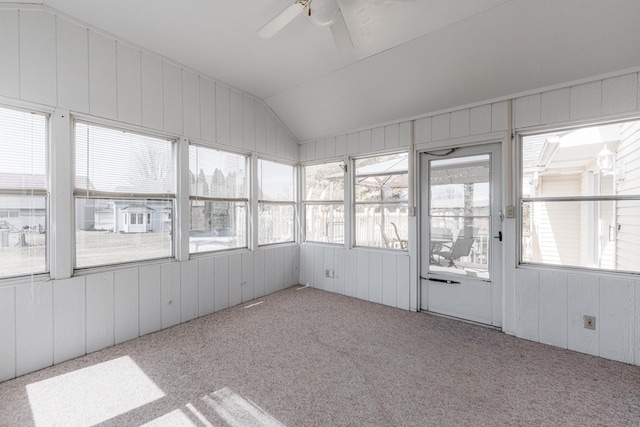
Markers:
(461, 234)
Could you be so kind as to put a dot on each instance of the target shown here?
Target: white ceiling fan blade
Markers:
(340, 34)
(280, 21)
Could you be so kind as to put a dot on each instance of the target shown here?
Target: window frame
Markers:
(318, 202)
(260, 201)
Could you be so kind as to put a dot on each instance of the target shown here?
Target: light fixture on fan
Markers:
(324, 12)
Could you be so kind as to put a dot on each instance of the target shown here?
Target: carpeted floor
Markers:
(304, 357)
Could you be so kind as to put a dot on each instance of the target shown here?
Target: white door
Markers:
(461, 234)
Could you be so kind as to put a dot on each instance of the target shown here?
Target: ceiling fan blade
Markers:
(340, 34)
(280, 21)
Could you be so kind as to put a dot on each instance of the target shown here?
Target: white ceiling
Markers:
(410, 57)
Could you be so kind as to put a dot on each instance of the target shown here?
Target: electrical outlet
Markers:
(589, 322)
(329, 273)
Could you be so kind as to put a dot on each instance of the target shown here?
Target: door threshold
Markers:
(459, 319)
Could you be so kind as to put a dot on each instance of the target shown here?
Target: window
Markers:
(218, 200)
(23, 193)
(324, 203)
(276, 204)
(119, 177)
(381, 201)
(580, 197)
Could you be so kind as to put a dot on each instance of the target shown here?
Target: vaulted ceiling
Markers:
(410, 57)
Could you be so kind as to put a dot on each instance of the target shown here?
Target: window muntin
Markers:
(124, 196)
(324, 203)
(218, 200)
(381, 201)
(276, 203)
(23, 193)
(580, 197)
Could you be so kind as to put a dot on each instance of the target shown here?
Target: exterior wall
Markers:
(628, 219)
(51, 63)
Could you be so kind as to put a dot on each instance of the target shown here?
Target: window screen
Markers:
(276, 204)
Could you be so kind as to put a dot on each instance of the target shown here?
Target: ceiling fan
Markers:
(323, 13)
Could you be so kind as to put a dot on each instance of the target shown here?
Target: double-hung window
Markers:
(580, 197)
(324, 203)
(23, 193)
(276, 202)
(218, 199)
(124, 196)
(381, 201)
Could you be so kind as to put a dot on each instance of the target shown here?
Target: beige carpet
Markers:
(304, 357)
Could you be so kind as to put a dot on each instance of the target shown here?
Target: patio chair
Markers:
(460, 248)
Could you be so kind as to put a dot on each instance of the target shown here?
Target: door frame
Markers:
(498, 271)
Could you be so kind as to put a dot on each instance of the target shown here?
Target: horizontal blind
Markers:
(276, 181)
(217, 175)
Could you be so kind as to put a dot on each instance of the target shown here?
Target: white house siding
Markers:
(49, 62)
(628, 213)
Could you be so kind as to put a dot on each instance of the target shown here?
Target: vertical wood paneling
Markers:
(9, 57)
(403, 282)
(236, 129)
(126, 305)
(616, 320)
(269, 272)
(341, 145)
(329, 262)
(207, 109)
(279, 268)
(282, 138)
(555, 106)
(338, 284)
(170, 291)
(221, 282)
(375, 277)
(189, 286)
(289, 272)
(129, 84)
(7, 332)
(38, 57)
(205, 286)
(303, 153)
(247, 276)
(440, 127)
(258, 274)
(619, 94)
(637, 324)
(527, 304)
(391, 136)
(585, 100)
(423, 130)
(296, 265)
(583, 299)
(310, 150)
(223, 114)
(272, 135)
(330, 147)
(69, 315)
(527, 110)
(499, 112)
(34, 330)
(350, 273)
(460, 123)
(480, 120)
(362, 271)
(261, 127)
(364, 141)
(150, 299)
(553, 309)
(352, 143)
(404, 138)
(100, 314)
(191, 104)
(318, 270)
(172, 98)
(103, 99)
(389, 279)
(73, 65)
(235, 279)
(152, 106)
(320, 150)
(249, 122)
(307, 258)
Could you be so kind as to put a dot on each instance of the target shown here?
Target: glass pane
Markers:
(324, 182)
(381, 178)
(23, 239)
(106, 232)
(23, 149)
(122, 162)
(460, 245)
(460, 186)
(382, 226)
(217, 226)
(276, 181)
(275, 223)
(325, 223)
(215, 173)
